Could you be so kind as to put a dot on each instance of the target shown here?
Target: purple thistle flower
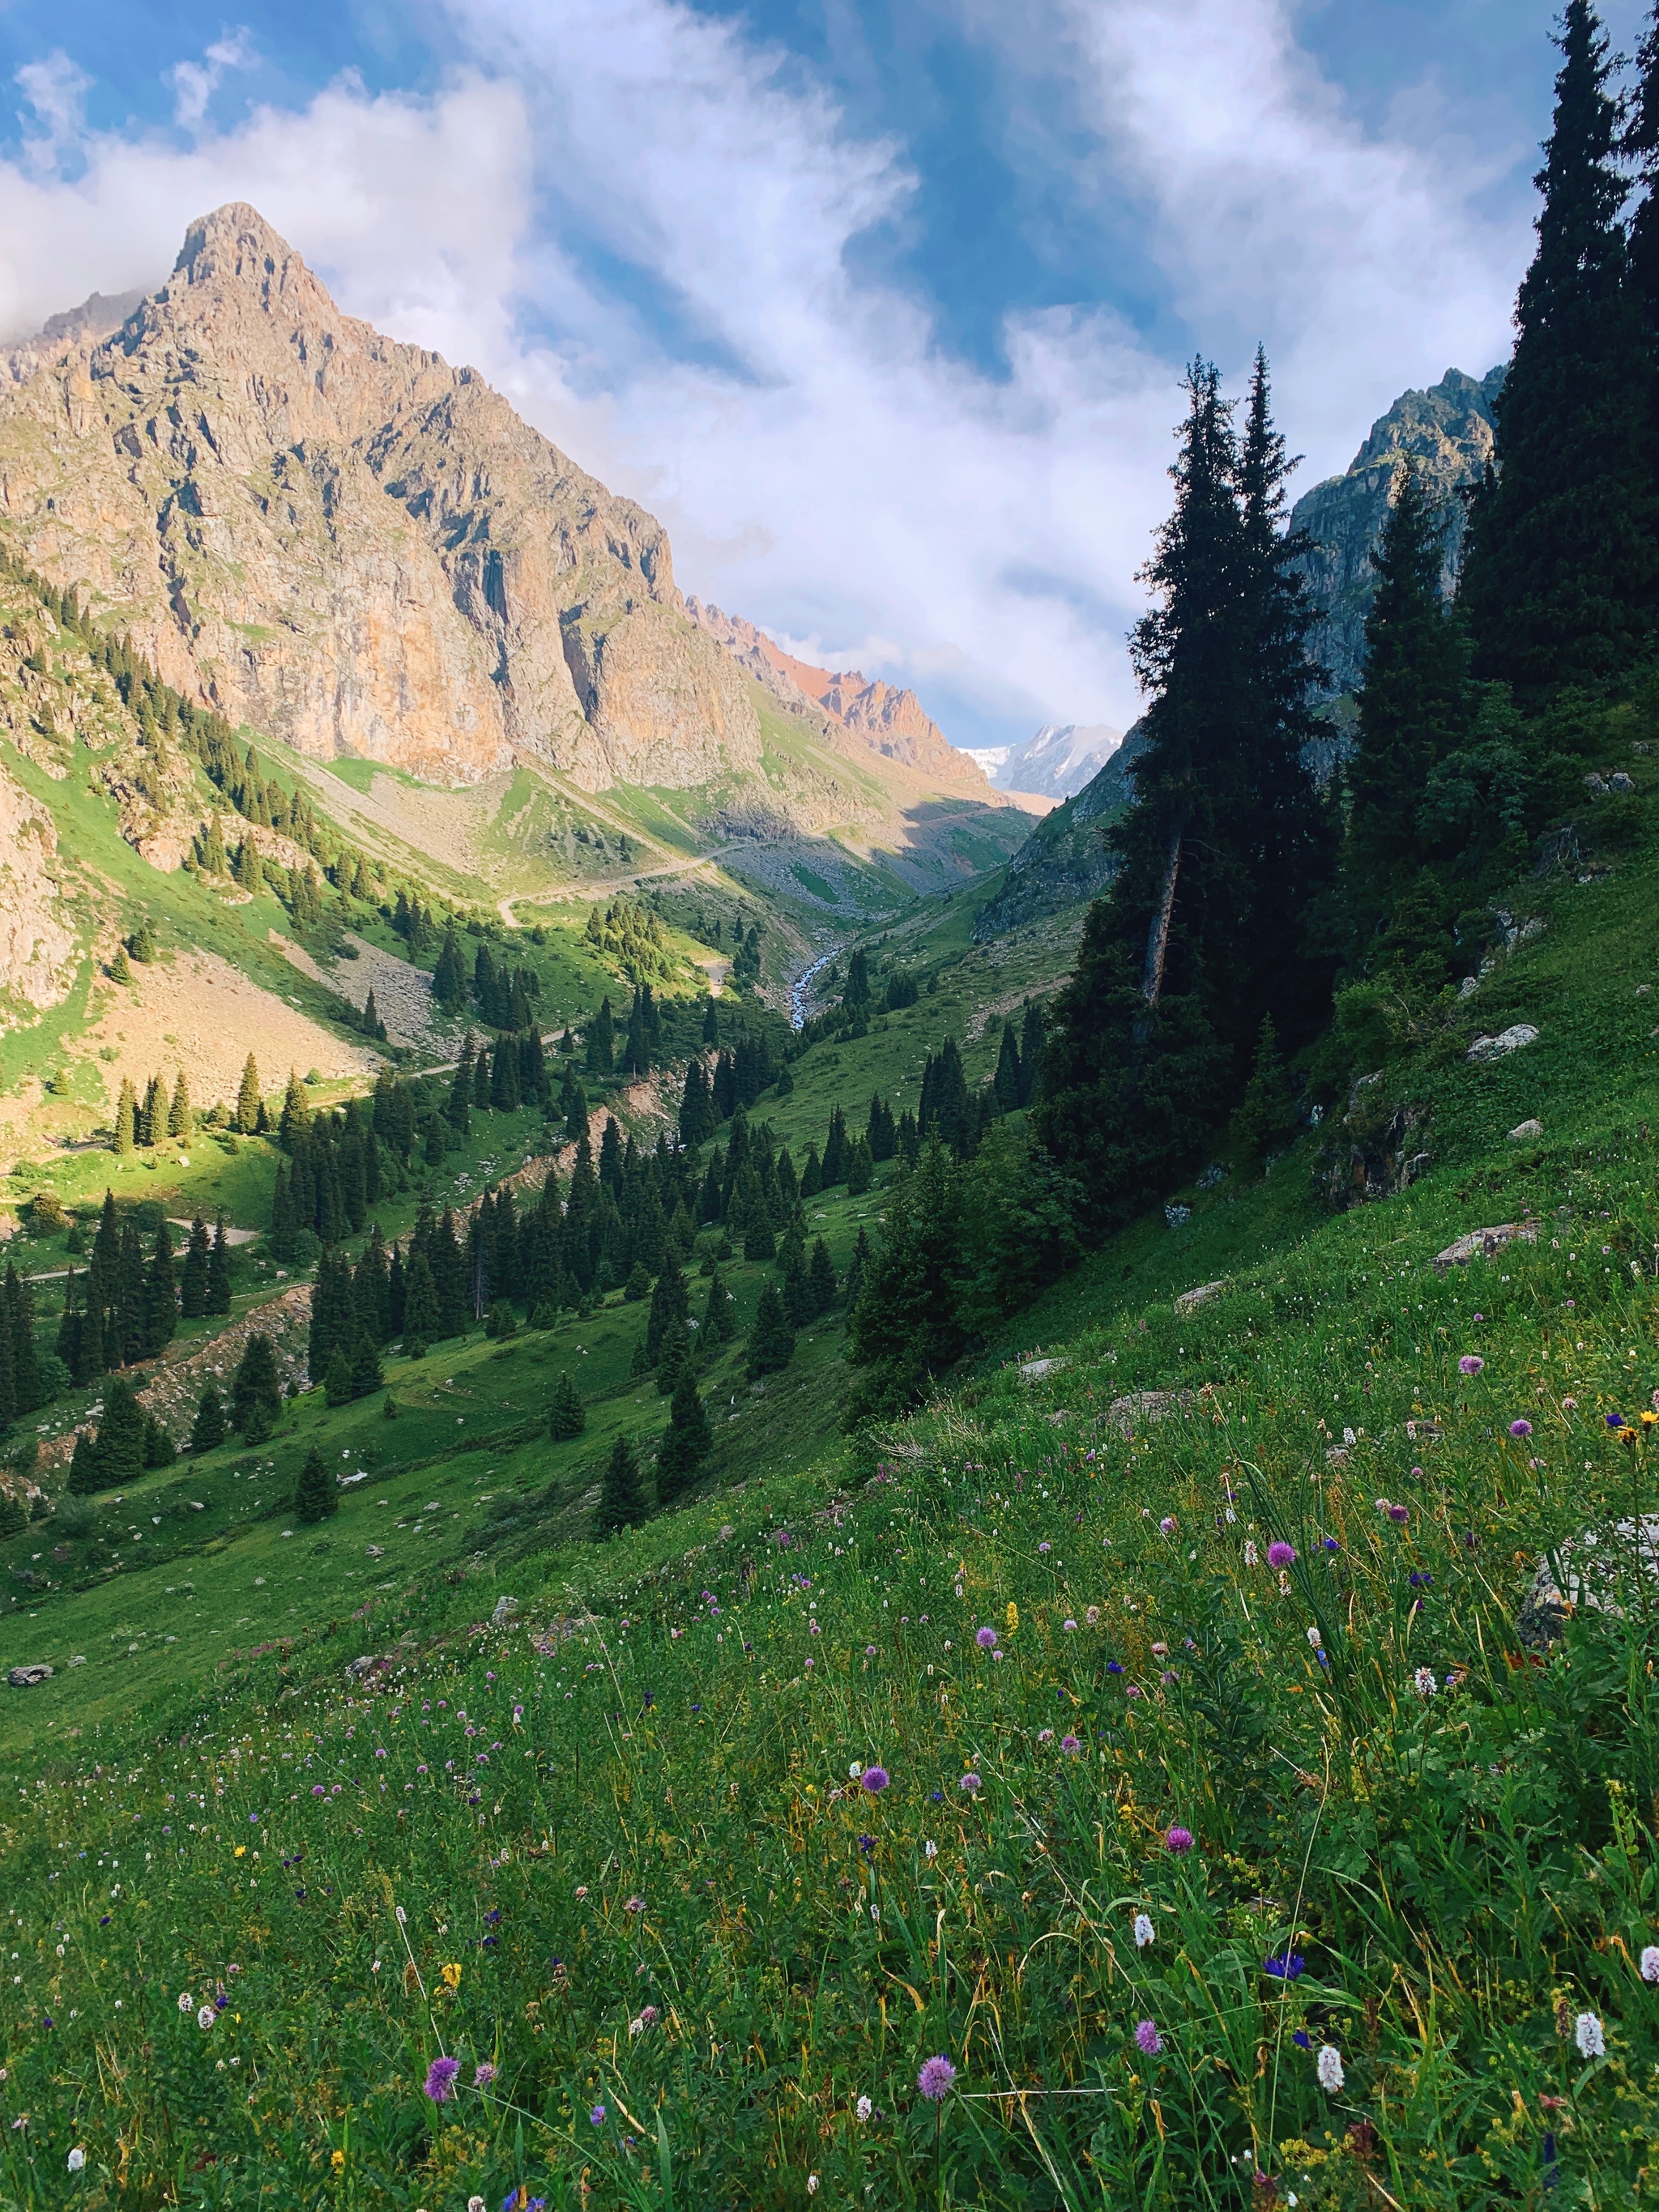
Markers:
(1470, 1363)
(985, 1638)
(1071, 1744)
(1147, 2038)
(1520, 1428)
(1178, 1839)
(1282, 1555)
(1399, 1513)
(484, 2075)
(1167, 1525)
(875, 1779)
(970, 1783)
(440, 2079)
(935, 2079)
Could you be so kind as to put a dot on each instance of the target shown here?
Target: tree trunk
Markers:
(1158, 930)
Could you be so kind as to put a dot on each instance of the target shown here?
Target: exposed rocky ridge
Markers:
(99, 316)
(345, 541)
(887, 720)
(1448, 431)
(39, 953)
(1065, 859)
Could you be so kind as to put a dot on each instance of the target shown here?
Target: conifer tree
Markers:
(1561, 577)
(686, 1440)
(601, 1040)
(1031, 1040)
(126, 1117)
(366, 1372)
(207, 1429)
(905, 1328)
(796, 1293)
(422, 1317)
(120, 1436)
(820, 1281)
(1266, 1119)
(317, 1495)
(771, 1339)
(247, 1098)
(566, 1415)
(181, 1120)
(858, 1271)
(255, 1387)
(160, 1298)
(337, 1377)
(85, 1475)
(296, 1122)
(1413, 705)
(720, 1318)
(621, 1495)
(159, 1449)
(218, 1278)
(1005, 1083)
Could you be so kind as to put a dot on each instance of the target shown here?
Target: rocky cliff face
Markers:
(346, 542)
(1447, 430)
(849, 704)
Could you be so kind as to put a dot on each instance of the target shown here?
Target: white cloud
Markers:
(194, 83)
(56, 91)
(822, 465)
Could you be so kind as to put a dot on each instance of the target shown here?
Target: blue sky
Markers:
(881, 306)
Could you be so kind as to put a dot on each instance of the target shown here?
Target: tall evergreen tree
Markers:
(247, 1097)
(207, 1429)
(256, 1395)
(771, 1339)
(905, 1328)
(1413, 704)
(686, 1440)
(160, 1296)
(1561, 577)
(621, 1495)
(218, 1277)
(317, 1495)
(566, 1415)
(120, 1436)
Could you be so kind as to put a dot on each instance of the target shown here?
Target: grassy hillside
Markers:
(1402, 1960)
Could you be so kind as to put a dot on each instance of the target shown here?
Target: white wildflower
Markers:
(1330, 2068)
(1650, 1963)
(1252, 1556)
(1144, 1930)
(1588, 2035)
(864, 2108)
(186, 2001)
(205, 2018)
(1424, 1683)
(77, 2159)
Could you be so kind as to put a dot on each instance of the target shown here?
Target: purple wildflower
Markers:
(1520, 1428)
(1167, 1525)
(1330, 1544)
(1286, 1966)
(1471, 1364)
(1399, 1513)
(484, 2075)
(1147, 2038)
(875, 1779)
(985, 1638)
(1282, 1555)
(970, 1783)
(1071, 1744)
(440, 2079)
(597, 2116)
(935, 2079)
(1178, 1839)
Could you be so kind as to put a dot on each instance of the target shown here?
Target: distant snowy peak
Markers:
(1053, 764)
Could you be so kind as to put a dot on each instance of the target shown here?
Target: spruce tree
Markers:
(366, 1374)
(181, 1120)
(126, 1118)
(207, 1429)
(686, 1440)
(160, 1298)
(338, 1387)
(255, 1388)
(906, 1329)
(820, 1281)
(247, 1097)
(159, 1449)
(621, 1495)
(120, 1436)
(771, 1339)
(1414, 705)
(797, 1294)
(720, 1318)
(317, 1495)
(218, 1276)
(1266, 1120)
(1561, 576)
(566, 1415)
(459, 1109)
(85, 1476)
(422, 1317)
(858, 1271)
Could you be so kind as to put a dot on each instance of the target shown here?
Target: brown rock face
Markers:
(890, 721)
(343, 541)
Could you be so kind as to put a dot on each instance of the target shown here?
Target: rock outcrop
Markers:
(345, 541)
(849, 704)
(1448, 431)
(38, 949)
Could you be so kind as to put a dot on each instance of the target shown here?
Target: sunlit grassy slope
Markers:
(1401, 1961)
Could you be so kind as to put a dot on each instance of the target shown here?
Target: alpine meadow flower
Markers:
(1286, 1966)
(863, 2108)
(1167, 1526)
(970, 1785)
(1148, 2040)
(1330, 2069)
(935, 2079)
(1252, 1556)
(1282, 1555)
(985, 1638)
(483, 2074)
(1587, 2034)
(205, 2018)
(439, 2083)
(1650, 1963)
(1424, 1683)
(77, 2159)
(1519, 1429)
(1178, 1839)
(876, 1779)
(597, 2116)
(1071, 1745)
(187, 2002)
(1470, 1363)
(930, 1851)
(1144, 1931)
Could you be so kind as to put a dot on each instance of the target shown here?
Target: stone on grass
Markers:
(1499, 1048)
(1585, 1573)
(505, 1610)
(29, 1677)
(1484, 1242)
(1522, 1130)
(1200, 1296)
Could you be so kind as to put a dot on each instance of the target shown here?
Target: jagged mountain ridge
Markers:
(1447, 430)
(1055, 762)
(341, 540)
(839, 705)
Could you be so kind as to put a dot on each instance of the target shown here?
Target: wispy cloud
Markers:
(645, 228)
(56, 90)
(194, 83)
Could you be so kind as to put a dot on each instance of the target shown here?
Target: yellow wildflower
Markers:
(451, 1977)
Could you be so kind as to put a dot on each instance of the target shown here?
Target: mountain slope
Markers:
(1065, 860)
(1448, 431)
(353, 546)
